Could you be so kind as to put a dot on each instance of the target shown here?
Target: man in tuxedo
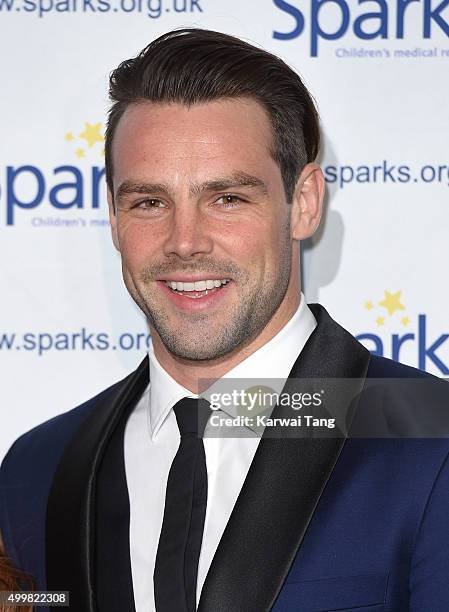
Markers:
(212, 184)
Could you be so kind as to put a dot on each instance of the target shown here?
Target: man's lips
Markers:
(194, 300)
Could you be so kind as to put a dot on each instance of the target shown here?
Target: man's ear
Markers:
(113, 220)
(307, 203)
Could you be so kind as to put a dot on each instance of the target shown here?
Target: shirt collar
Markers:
(273, 360)
(165, 392)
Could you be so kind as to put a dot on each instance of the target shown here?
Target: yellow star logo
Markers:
(405, 321)
(92, 134)
(80, 153)
(380, 321)
(392, 302)
(69, 136)
(369, 305)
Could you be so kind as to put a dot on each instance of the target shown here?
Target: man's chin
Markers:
(198, 350)
(201, 336)
(200, 342)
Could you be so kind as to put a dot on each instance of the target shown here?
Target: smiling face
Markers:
(202, 223)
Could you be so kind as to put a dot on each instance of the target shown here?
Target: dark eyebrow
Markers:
(237, 179)
(131, 187)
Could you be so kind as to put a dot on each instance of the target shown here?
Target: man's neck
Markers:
(188, 373)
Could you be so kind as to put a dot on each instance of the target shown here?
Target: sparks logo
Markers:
(389, 315)
(334, 19)
(65, 188)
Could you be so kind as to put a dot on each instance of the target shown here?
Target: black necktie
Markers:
(178, 552)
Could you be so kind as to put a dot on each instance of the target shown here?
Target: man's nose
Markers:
(188, 233)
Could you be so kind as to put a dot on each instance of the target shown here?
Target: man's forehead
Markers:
(213, 139)
(221, 115)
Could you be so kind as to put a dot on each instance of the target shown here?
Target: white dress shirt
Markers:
(152, 439)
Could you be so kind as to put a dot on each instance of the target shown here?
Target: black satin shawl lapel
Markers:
(113, 576)
(281, 490)
(70, 537)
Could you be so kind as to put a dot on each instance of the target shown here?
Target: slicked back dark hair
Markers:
(191, 66)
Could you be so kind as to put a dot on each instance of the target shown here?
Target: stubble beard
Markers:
(195, 339)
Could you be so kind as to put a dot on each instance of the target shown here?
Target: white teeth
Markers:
(201, 285)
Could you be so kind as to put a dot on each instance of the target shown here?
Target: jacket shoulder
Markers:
(382, 367)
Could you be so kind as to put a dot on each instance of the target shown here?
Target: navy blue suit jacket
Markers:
(320, 524)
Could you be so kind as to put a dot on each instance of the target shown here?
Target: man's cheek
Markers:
(248, 246)
(135, 247)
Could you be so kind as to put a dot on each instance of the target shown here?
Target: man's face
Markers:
(200, 202)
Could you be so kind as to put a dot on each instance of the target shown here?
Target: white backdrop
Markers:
(378, 71)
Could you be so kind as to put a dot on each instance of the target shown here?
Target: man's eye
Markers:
(149, 203)
(228, 200)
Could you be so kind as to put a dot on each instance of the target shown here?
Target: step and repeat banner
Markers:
(378, 70)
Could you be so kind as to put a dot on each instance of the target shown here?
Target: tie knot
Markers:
(192, 415)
